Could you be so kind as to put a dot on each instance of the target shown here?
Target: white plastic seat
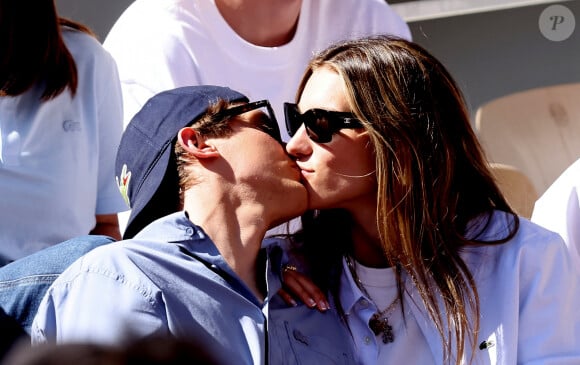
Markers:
(536, 131)
(517, 188)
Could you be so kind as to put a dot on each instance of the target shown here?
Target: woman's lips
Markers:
(306, 173)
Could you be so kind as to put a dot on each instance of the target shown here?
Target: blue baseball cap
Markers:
(145, 167)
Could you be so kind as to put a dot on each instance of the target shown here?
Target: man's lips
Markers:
(297, 170)
(305, 171)
(305, 177)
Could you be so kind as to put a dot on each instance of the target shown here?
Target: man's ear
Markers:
(196, 144)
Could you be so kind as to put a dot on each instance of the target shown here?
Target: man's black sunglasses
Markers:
(268, 124)
(320, 124)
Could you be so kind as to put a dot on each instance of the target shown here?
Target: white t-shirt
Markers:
(160, 45)
(57, 158)
(558, 209)
(409, 345)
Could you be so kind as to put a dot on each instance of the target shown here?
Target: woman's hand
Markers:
(299, 286)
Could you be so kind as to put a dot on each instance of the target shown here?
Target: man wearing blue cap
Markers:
(209, 170)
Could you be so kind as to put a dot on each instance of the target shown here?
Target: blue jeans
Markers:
(24, 282)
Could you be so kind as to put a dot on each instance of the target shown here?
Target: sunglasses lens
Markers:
(317, 126)
(269, 126)
(316, 121)
(293, 118)
(273, 123)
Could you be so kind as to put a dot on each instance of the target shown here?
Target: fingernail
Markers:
(293, 303)
(323, 305)
(311, 303)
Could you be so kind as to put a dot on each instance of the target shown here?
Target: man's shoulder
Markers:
(114, 260)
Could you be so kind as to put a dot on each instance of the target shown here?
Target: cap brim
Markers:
(163, 182)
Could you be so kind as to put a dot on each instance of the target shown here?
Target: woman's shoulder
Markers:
(498, 225)
(85, 48)
(529, 247)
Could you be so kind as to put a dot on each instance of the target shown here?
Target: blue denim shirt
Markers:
(170, 279)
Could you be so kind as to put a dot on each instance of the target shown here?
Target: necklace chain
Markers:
(379, 322)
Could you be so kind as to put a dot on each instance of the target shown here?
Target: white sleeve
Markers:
(558, 209)
(110, 128)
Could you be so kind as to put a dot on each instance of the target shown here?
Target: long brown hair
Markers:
(33, 50)
(432, 177)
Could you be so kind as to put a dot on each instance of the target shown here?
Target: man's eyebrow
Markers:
(256, 117)
(263, 118)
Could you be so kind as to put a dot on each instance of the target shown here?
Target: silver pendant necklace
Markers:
(379, 322)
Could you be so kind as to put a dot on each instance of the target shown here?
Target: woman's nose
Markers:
(299, 144)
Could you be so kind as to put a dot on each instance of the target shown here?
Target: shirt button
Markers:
(367, 340)
(364, 303)
(189, 231)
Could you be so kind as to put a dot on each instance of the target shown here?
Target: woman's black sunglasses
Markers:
(268, 124)
(320, 124)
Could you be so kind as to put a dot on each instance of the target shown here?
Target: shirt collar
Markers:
(349, 293)
(177, 228)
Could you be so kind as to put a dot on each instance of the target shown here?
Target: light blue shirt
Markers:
(529, 295)
(171, 280)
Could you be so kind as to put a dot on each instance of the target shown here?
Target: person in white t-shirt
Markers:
(259, 47)
(558, 209)
(60, 125)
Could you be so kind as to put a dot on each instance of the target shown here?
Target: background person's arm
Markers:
(107, 225)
